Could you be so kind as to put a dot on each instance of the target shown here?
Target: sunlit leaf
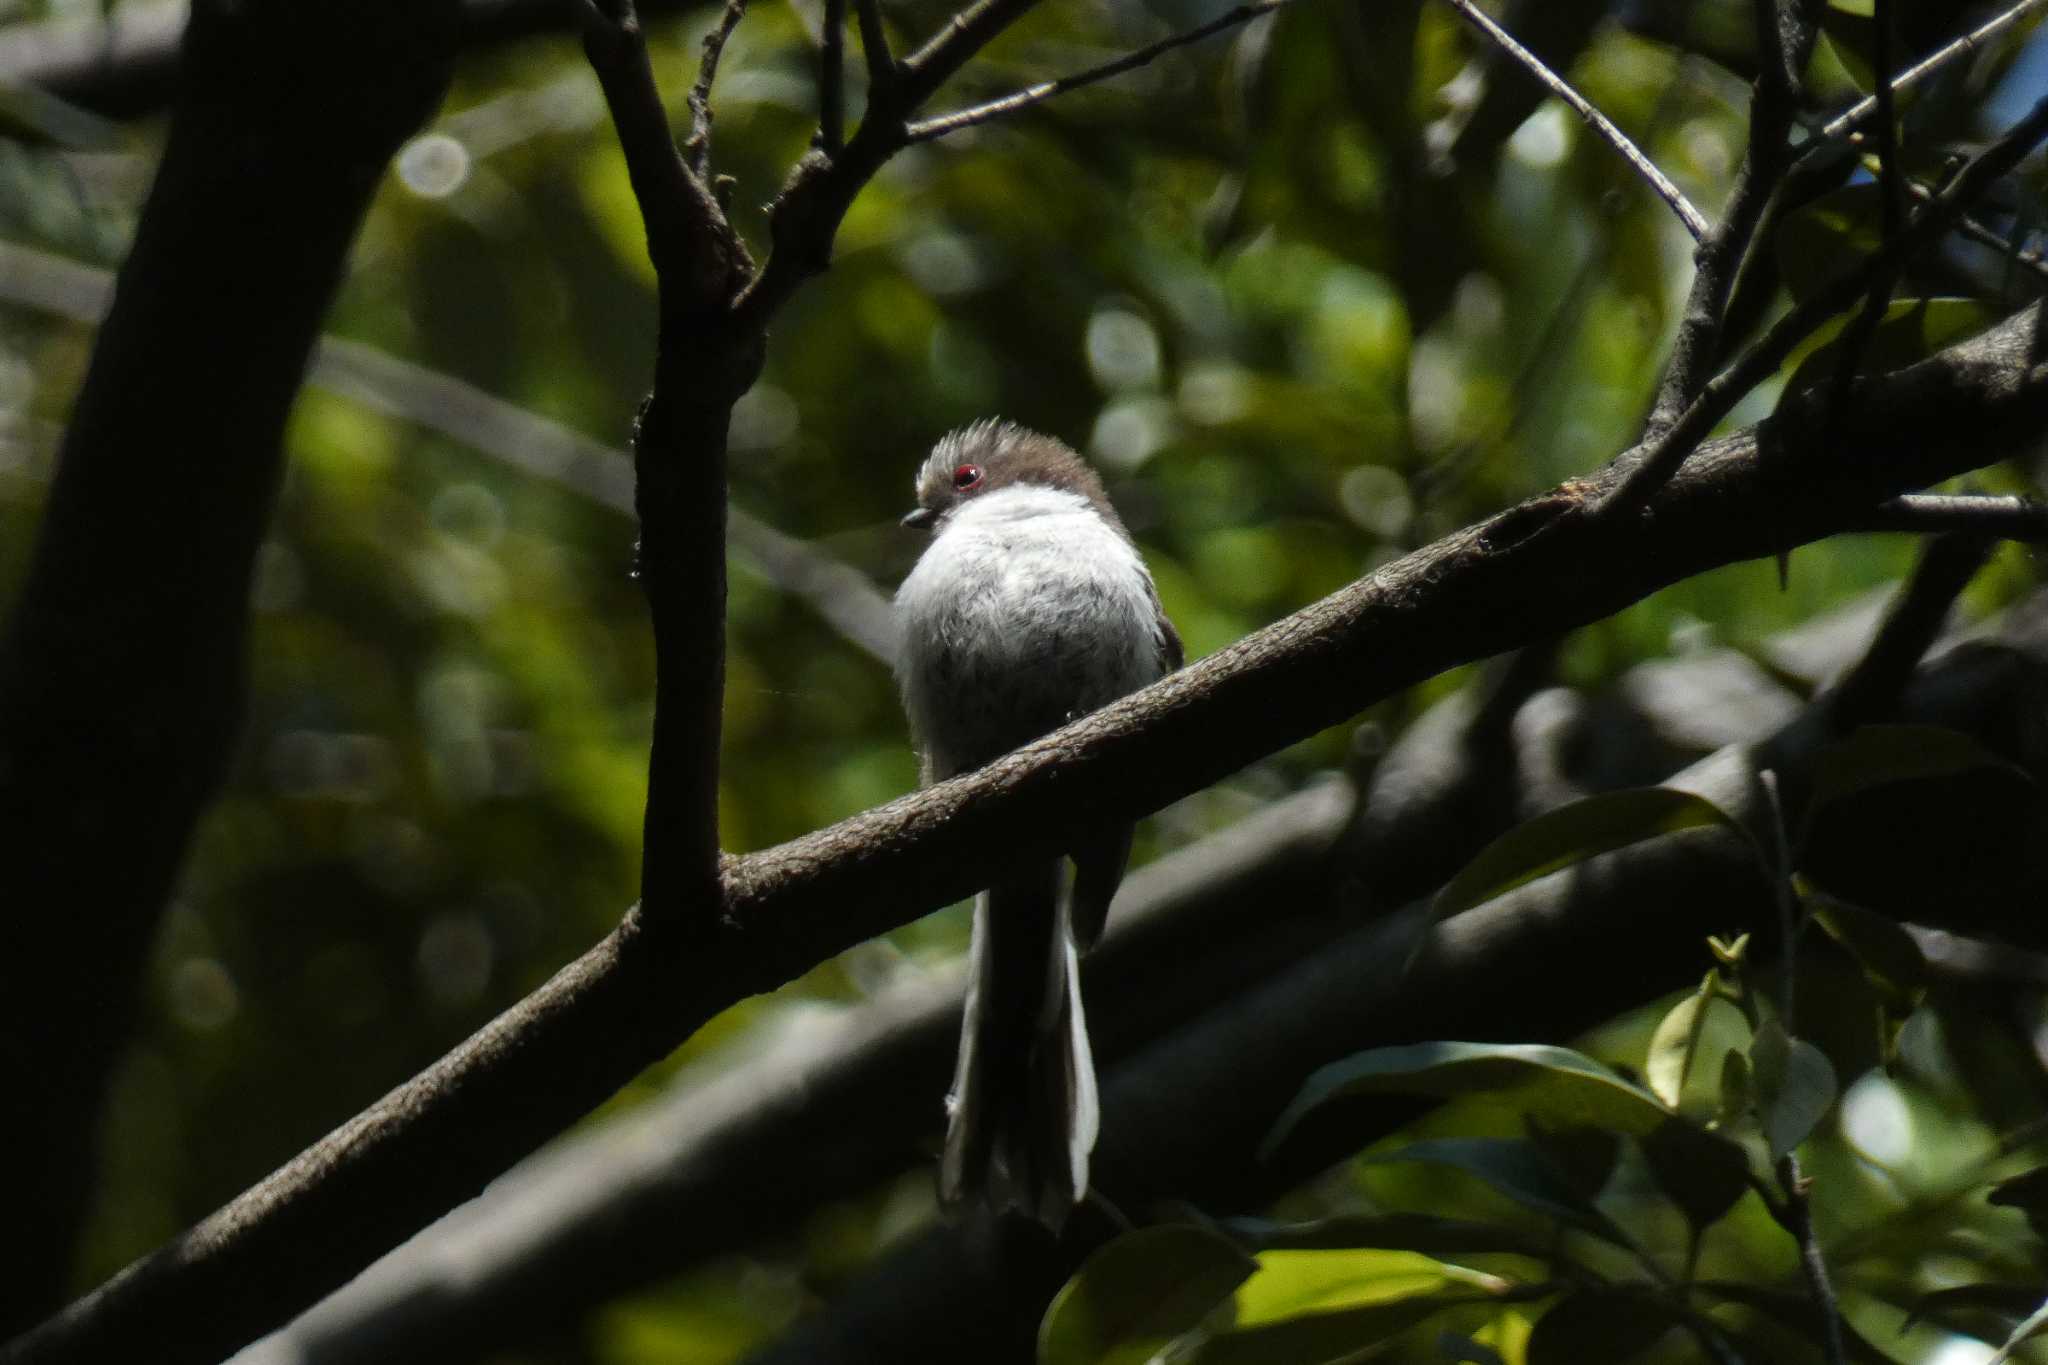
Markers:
(1422, 1232)
(1676, 1042)
(1138, 1293)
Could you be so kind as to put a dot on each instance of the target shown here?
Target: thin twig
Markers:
(698, 147)
(832, 78)
(1783, 40)
(671, 202)
(1695, 222)
(1889, 172)
(943, 124)
(1812, 1263)
(1993, 518)
(1663, 454)
(1859, 113)
(874, 46)
(946, 51)
(805, 217)
(1980, 232)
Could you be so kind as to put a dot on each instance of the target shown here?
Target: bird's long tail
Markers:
(1023, 1110)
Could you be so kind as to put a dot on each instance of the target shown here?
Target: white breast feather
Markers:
(1026, 602)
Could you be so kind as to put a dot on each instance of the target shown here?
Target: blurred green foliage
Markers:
(1297, 339)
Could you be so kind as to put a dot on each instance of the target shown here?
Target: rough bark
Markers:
(121, 672)
(1520, 577)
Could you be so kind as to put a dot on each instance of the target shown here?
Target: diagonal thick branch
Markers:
(1525, 575)
(1666, 449)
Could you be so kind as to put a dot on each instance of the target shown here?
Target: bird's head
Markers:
(990, 455)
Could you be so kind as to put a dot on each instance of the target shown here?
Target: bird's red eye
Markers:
(967, 476)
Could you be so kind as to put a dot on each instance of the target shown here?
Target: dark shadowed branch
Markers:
(1662, 453)
(122, 667)
(1786, 32)
(1525, 575)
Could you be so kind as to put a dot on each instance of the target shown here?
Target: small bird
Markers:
(1030, 608)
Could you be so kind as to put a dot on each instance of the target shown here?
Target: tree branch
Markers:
(122, 666)
(698, 147)
(832, 79)
(874, 46)
(1654, 461)
(1786, 32)
(1524, 575)
(1695, 221)
(1916, 619)
(937, 127)
(1869, 107)
(1985, 516)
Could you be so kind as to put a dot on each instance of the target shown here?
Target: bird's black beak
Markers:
(921, 519)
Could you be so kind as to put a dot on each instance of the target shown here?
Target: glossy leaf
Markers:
(1676, 1041)
(1547, 1083)
(1422, 1232)
(1516, 1169)
(1316, 1338)
(1291, 1283)
(1795, 1087)
(1877, 755)
(1571, 834)
(1138, 1293)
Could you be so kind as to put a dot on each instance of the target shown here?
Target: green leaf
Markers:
(1891, 960)
(1822, 241)
(1911, 331)
(1422, 1232)
(1317, 1338)
(1877, 755)
(2027, 1192)
(1546, 1083)
(1584, 1156)
(1796, 1309)
(1795, 1087)
(1138, 1293)
(1738, 1088)
(1290, 1283)
(1571, 834)
(1888, 954)
(1605, 1325)
(1677, 1040)
(1702, 1173)
(1517, 1169)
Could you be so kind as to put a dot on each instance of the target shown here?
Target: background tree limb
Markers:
(121, 671)
(1524, 575)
